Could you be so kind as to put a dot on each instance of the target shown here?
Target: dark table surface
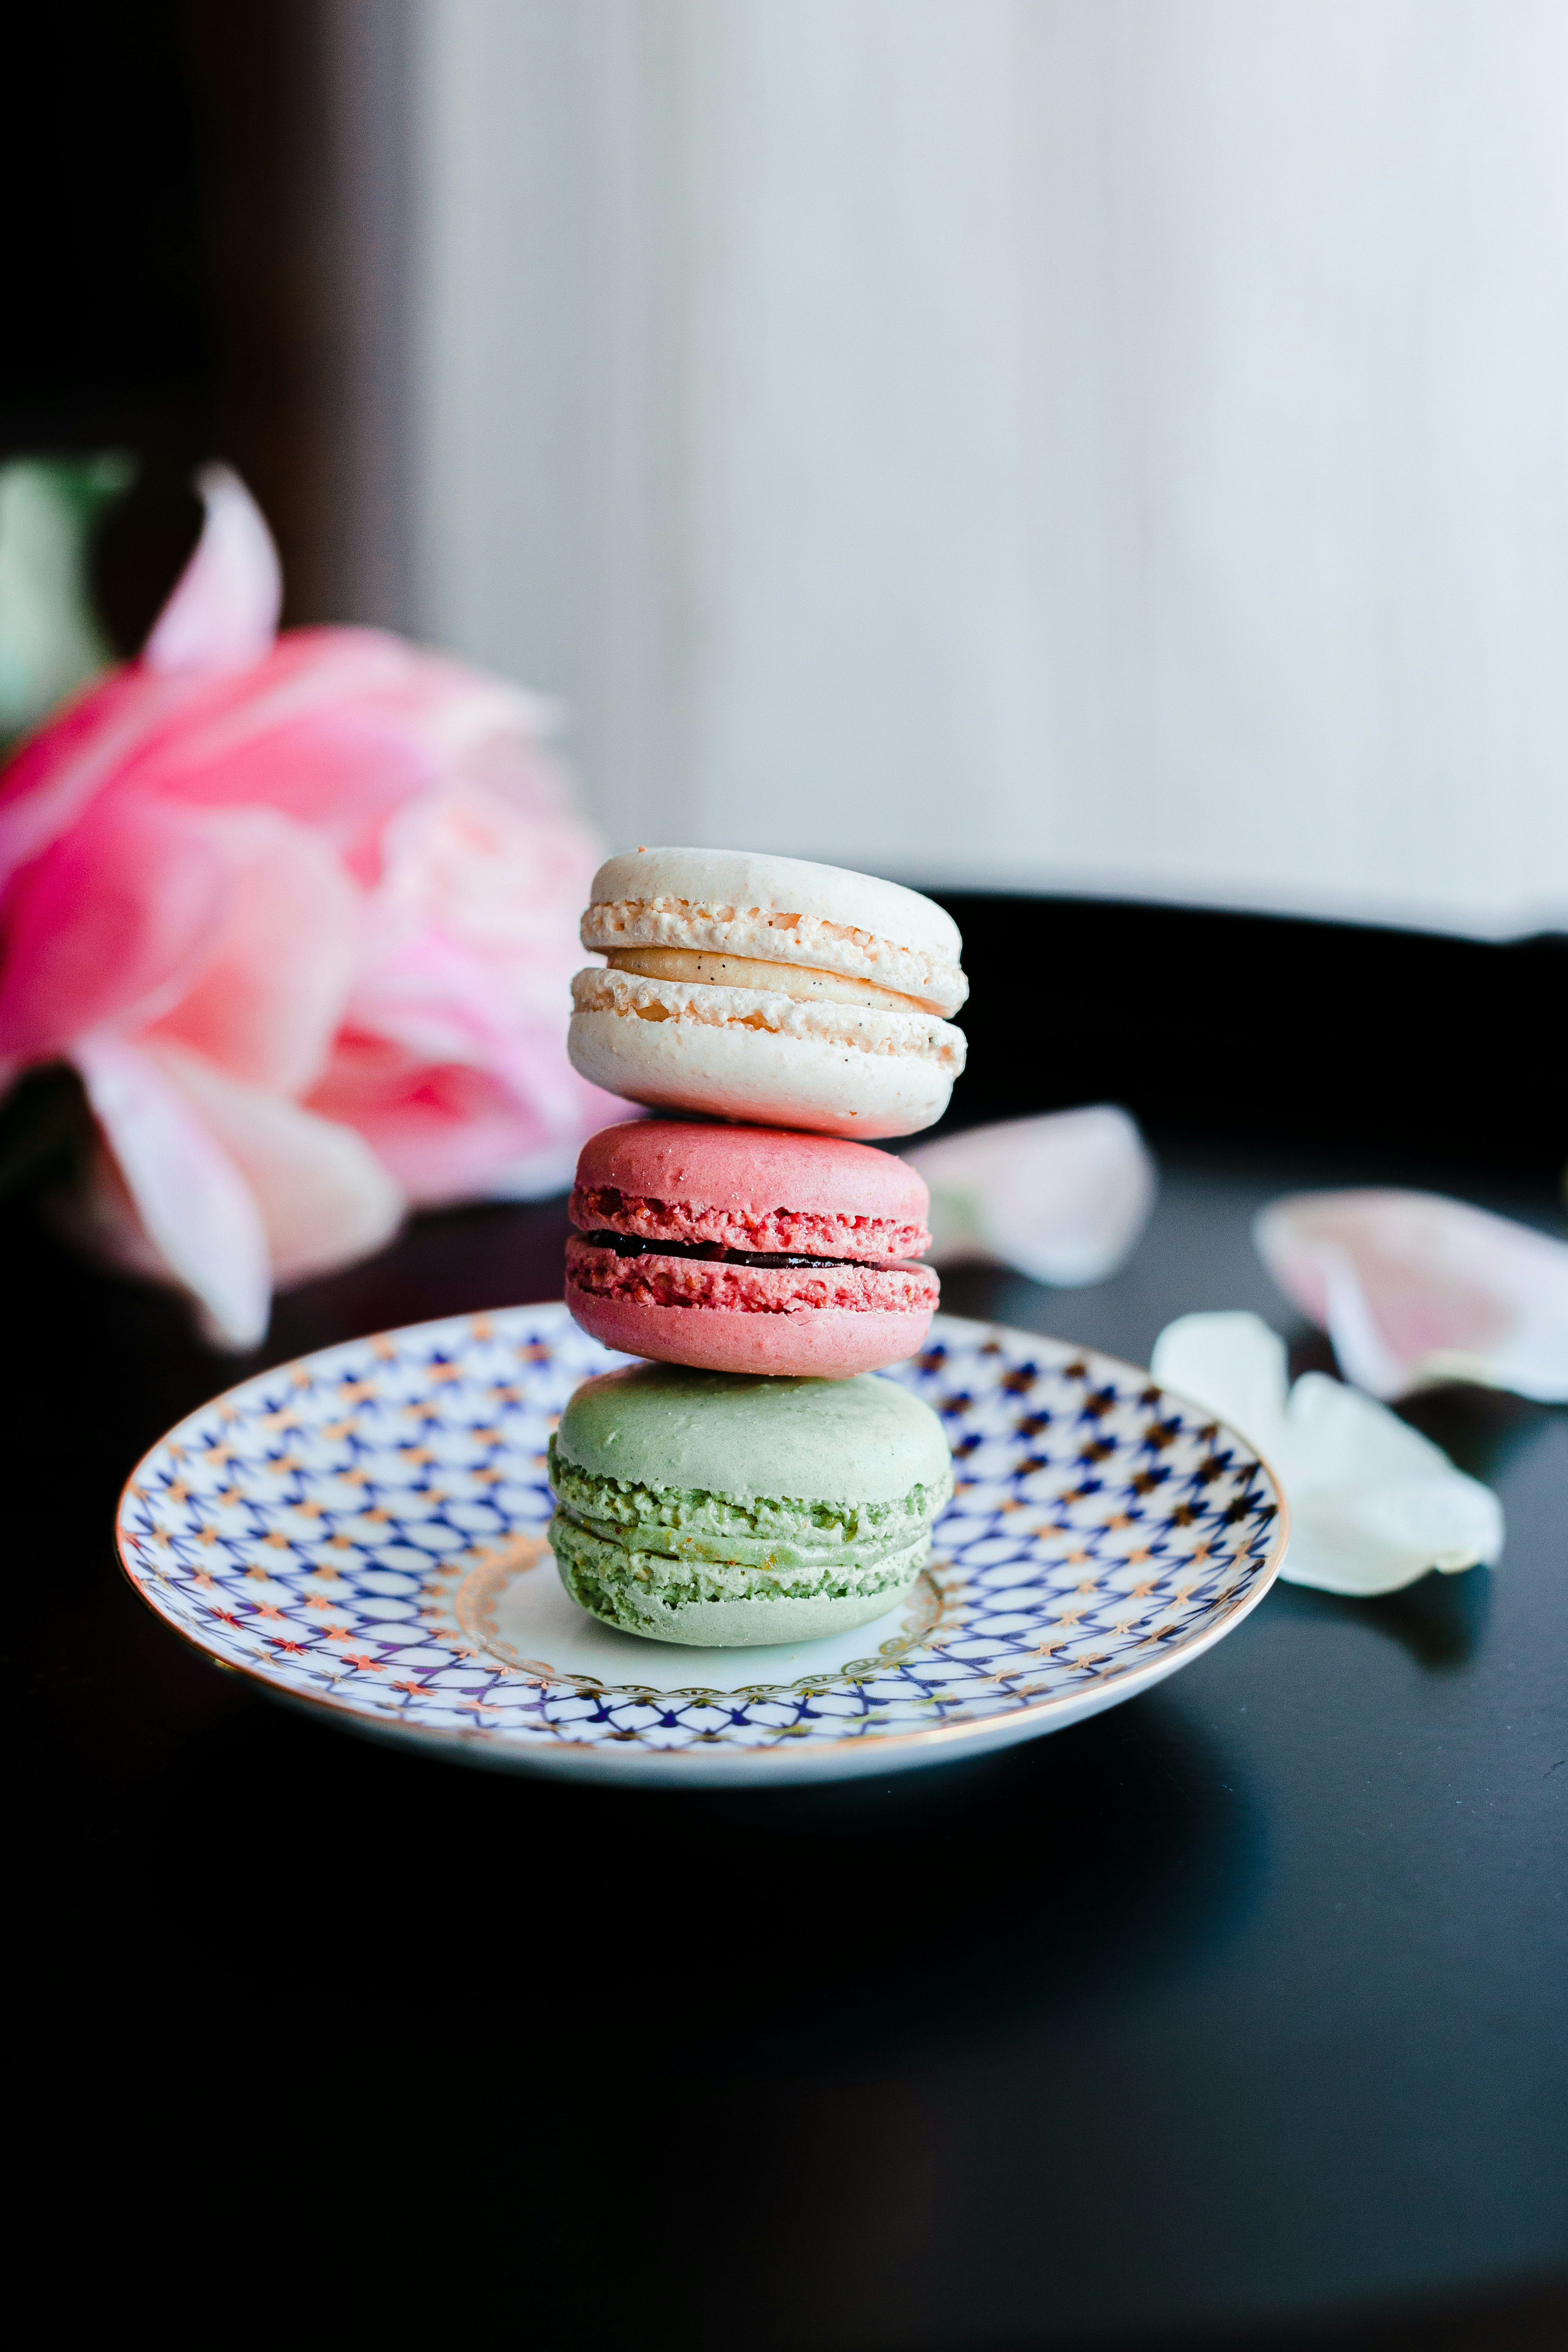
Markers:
(1237, 2015)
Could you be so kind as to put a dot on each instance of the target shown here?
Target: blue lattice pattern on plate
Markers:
(321, 1526)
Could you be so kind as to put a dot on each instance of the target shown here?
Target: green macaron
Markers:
(712, 1508)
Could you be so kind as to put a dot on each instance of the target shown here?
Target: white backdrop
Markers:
(1111, 444)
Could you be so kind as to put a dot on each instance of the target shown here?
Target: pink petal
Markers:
(1063, 1197)
(307, 730)
(324, 1197)
(111, 926)
(472, 940)
(497, 876)
(440, 1003)
(272, 990)
(60, 771)
(1415, 1289)
(222, 612)
(335, 727)
(344, 726)
(450, 1130)
(198, 1215)
(452, 1057)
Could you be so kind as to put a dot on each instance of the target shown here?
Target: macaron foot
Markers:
(821, 1342)
(657, 1613)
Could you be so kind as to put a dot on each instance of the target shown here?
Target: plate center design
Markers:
(514, 1607)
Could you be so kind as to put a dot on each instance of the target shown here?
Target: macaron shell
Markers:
(753, 1172)
(864, 1441)
(745, 878)
(824, 1342)
(818, 1083)
(729, 1624)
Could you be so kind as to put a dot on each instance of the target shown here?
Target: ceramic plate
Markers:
(362, 1533)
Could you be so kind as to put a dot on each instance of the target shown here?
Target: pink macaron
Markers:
(748, 1249)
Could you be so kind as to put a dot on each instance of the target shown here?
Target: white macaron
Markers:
(768, 989)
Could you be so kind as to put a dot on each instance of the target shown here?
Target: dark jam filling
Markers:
(635, 1245)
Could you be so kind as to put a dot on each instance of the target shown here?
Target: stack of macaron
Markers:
(753, 1482)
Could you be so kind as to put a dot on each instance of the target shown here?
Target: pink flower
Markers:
(302, 912)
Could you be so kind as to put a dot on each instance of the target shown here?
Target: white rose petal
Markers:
(1374, 1505)
(1235, 1367)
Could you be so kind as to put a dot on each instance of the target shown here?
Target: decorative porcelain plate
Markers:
(362, 1533)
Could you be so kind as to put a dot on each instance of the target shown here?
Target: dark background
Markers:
(166, 177)
(1234, 2017)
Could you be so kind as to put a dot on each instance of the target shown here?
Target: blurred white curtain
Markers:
(1109, 445)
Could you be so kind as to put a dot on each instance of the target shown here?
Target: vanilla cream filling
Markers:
(867, 1028)
(704, 969)
(756, 934)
